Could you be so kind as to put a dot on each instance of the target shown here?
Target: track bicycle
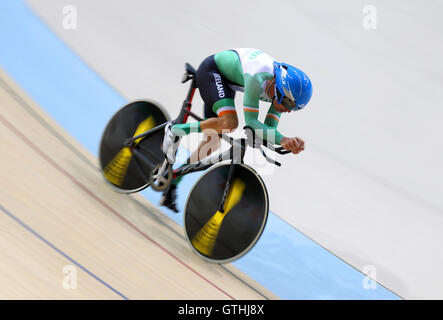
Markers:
(227, 208)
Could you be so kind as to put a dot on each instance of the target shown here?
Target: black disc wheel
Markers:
(119, 165)
(222, 237)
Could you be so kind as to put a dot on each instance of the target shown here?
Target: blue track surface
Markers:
(284, 260)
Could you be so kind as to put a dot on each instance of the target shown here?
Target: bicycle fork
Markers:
(231, 172)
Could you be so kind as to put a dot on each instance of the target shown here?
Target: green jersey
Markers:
(251, 72)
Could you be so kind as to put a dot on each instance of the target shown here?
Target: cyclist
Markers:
(260, 77)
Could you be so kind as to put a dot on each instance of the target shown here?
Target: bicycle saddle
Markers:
(189, 74)
(190, 69)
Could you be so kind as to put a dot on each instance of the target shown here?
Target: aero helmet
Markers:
(293, 88)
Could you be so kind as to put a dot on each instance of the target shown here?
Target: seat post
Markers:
(187, 104)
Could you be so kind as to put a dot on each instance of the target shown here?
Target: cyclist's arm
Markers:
(272, 117)
(266, 131)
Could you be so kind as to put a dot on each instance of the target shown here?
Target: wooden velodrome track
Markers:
(56, 211)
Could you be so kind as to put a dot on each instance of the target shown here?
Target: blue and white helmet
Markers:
(292, 83)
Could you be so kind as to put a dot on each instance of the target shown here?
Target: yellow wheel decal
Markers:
(116, 170)
(204, 240)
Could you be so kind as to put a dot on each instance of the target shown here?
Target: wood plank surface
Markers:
(56, 210)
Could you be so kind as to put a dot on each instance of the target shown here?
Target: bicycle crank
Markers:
(162, 176)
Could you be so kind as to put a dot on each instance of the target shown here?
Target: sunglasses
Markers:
(286, 102)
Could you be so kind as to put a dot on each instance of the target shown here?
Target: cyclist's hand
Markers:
(295, 145)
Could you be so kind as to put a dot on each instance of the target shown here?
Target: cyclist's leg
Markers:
(219, 113)
(225, 123)
(218, 98)
(211, 140)
(219, 110)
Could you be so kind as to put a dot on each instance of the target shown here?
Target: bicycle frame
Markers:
(235, 153)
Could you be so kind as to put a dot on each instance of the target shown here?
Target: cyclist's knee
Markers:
(229, 122)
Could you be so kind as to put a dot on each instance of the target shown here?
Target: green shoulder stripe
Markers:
(229, 65)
